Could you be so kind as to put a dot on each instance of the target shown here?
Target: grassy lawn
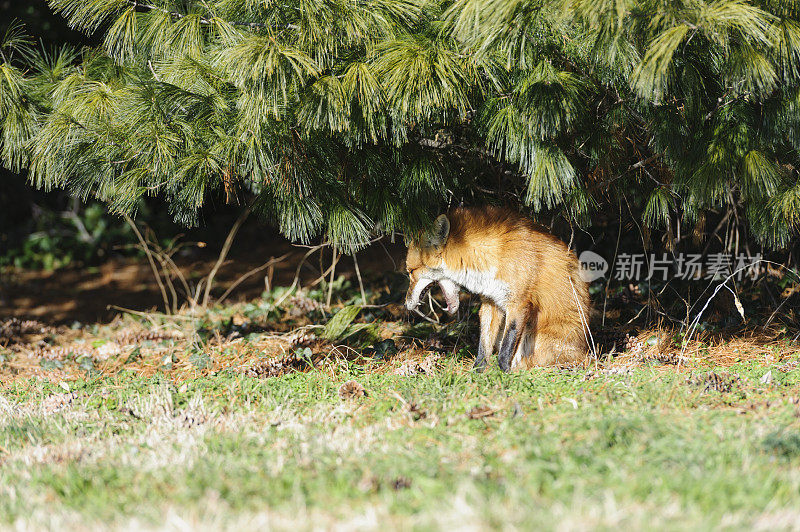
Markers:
(286, 413)
(566, 449)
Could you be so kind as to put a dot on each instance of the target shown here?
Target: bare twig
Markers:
(426, 318)
(775, 313)
(168, 281)
(85, 235)
(153, 70)
(153, 266)
(380, 241)
(334, 260)
(223, 254)
(360, 281)
(252, 272)
(151, 315)
(268, 278)
(177, 272)
(587, 333)
(723, 284)
(611, 266)
(296, 280)
(715, 231)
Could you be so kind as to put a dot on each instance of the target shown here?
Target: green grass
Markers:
(646, 450)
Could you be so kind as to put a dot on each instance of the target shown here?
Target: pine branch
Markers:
(208, 21)
(721, 102)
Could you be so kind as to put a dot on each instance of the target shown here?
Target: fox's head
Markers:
(424, 263)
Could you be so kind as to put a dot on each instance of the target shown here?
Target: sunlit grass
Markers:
(545, 448)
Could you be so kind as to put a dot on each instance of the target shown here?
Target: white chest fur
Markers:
(484, 283)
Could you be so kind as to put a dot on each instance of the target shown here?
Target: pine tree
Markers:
(343, 118)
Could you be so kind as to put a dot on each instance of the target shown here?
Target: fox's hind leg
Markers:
(525, 349)
(491, 319)
(516, 328)
(547, 339)
(557, 344)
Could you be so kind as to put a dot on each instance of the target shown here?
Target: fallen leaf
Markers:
(416, 412)
(401, 483)
(480, 412)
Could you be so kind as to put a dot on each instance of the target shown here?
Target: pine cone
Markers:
(62, 353)
(300, 304)
(407, 369)
(669, 358)
(630, 342)
(416, 412)
(59, 401)
(13, 330)
(718, 382)
(266, 369)
(300, 338)
(351, 390)
(275, 367)
(128, 337)
(429, 364)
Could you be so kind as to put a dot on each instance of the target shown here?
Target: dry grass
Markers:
(173, 347)
(110, 348)
(665, 347)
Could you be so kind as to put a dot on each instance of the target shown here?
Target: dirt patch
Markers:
(273, 335)
(183, 349)
(87, 294)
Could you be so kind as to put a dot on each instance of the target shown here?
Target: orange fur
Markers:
(529, 279)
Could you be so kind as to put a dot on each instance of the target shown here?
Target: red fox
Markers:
(528, 281)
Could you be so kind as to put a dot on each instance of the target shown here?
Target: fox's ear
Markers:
(439, 233)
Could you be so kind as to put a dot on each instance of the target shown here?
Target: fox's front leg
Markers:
(491, 319)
